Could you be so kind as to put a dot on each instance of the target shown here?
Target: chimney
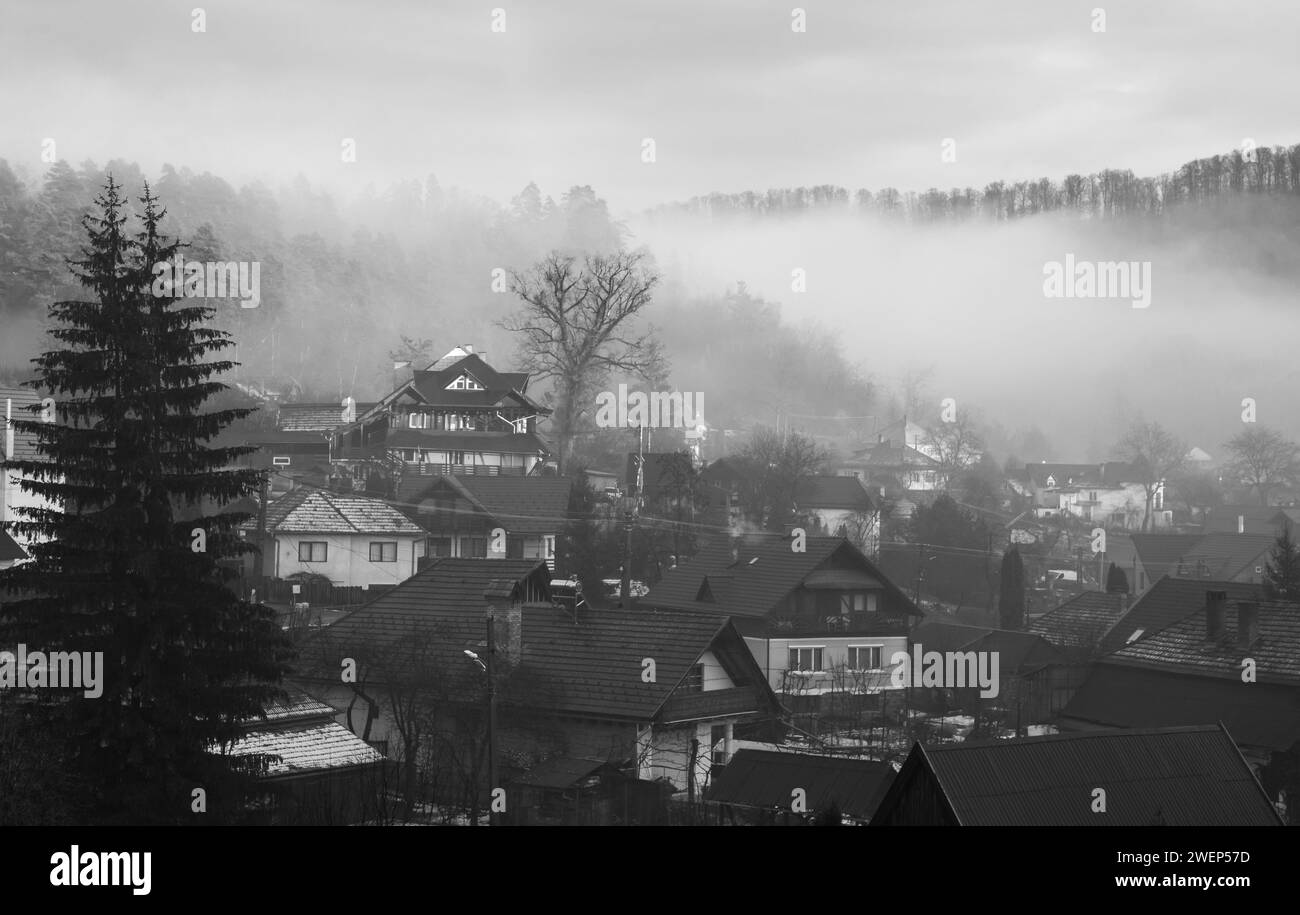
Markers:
(507, 613)
(1241, 524)
(468, 347)
(1215, 604)
(1247, 623)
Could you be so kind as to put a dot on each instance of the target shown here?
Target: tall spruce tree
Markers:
(129, 560)
(1011, 600)
(1282, 572)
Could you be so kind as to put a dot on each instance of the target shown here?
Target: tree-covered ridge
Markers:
(1106, 194)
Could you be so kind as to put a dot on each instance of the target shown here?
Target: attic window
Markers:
(464, 383)
(694, 680)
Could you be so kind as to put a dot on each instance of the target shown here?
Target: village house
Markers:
(18, 404)
(350, 539)
(841, 506)
(1232, 662)
(494, 517)
(644, 690)
(758, 788)
(457, 416)
(321, 773)
(1226, 557)
(894, 466)
(1157, 555)
(819, 622)
(1108, 495)
(1185, 776)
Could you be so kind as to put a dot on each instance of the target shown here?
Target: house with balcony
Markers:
(1108, 494)
(487, 517)
(820, 623)
(21, 405)
(457, 416)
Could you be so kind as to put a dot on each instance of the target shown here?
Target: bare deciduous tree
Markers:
(1155, 454)
(579, 324)
(1262, 459)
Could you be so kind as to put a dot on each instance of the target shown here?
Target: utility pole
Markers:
(491, 719)
(690, 780)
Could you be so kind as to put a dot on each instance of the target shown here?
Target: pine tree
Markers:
(120, 565)
(1282, 573)
(1011, 600)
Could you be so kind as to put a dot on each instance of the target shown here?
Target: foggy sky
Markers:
(733, 98)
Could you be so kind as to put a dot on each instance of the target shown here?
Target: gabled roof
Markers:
(1223, 556)
(522, 505)
(832, 492)
(1263, 715)
(887, 454)
(302, 733)
(590, 665)
(1104, 474)
(764, 779)
(1183, 647)
(313, 417)
(431, 383)
(1082, 621)
(1192, 776)
(1255, 519)
(1159, 553)
(1018, 652)
(16, 402)
(764, 571)
(1168, 601)
(317, 511)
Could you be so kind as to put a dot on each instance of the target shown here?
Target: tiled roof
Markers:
(1159, 553)
(767, 778)
(307, 746)
(432, 382)
(1105, 474)
(316, 511)
(1018, 652)
(1184, 648)
(764, 572)
(1176, 776)
(1224, 556)
(1081, 621)
(313, 417)
(885, 454)
(15, 402)
(1255, 519)
(832, 492)
(1168, 601)
(589, 666)
(1263, 715)
(522, 505)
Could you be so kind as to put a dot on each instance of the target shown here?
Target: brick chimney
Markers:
(1247, 623)
(1216, 603)
(507, 611)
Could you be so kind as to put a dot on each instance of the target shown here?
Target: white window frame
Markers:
(813, 657)
(852, 649)
(281, 461)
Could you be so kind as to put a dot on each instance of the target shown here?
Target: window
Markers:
(473, 548)
(417, 421)
(806, 659)
(864, 657)
(313, 551)
(440, 547)
(281, 461)
(694, 680)
(455, 457)
(464, 383)
(467, 421)
(383, 551)
(521, 425)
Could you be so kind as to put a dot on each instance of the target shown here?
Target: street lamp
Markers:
(486, 667)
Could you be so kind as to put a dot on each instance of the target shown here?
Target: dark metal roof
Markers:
(1124, 696)
(767, 778)
(522, 505)
(1192, 776)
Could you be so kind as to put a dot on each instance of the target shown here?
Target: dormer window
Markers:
(464, 383)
